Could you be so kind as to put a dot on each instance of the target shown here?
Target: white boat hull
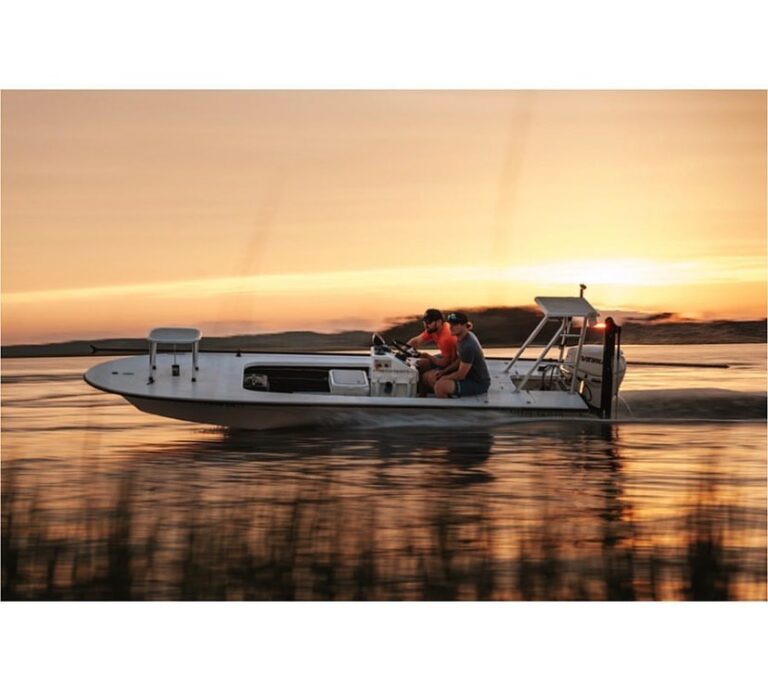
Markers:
(217, 396)
(270, 417)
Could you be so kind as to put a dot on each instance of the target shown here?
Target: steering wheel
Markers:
(406, 349)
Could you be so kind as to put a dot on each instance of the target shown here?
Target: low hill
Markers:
(510, 326)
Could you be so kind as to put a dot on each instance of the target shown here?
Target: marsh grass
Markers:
(322, 538)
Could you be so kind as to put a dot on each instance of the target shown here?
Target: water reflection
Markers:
(531, 512)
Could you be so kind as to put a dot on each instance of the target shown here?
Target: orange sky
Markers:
(250, 211)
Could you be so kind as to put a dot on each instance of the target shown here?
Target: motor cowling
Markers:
(590, 371)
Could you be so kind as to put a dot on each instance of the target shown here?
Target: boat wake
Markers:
(691, 404)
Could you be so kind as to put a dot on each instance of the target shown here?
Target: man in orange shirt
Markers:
(437, 332)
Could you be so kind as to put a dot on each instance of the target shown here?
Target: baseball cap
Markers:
(458, 317)
(432, 315)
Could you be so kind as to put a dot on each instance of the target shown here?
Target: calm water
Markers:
(103, 502)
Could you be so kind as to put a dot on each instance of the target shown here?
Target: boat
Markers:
(566, 379)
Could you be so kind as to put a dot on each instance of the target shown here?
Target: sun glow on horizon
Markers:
(635, 273)
(366, 298)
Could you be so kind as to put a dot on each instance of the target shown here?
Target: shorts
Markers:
(469, 387)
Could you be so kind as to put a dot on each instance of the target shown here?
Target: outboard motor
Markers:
(591, 372)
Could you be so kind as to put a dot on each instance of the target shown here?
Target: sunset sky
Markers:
(250, 211)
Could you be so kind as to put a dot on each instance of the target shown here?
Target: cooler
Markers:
(348, 382)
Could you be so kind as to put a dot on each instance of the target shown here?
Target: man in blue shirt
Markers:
(468, 374)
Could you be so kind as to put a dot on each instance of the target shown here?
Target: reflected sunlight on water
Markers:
(103, 502)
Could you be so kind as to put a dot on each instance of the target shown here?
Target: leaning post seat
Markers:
(175, 337)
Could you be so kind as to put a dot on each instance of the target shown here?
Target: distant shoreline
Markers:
(9, 352)
(496, 328)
